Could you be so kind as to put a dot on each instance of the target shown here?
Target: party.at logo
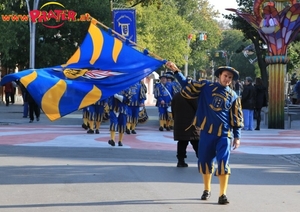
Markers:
(53, 18)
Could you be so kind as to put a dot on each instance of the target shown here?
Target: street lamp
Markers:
(32, 29)
(190, 36)
(202, 37)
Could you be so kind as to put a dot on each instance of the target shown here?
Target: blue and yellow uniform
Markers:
(220, 118)
(216, 105)
(95, 114)
(163, 92)
(138, 97)
(176, 89)
(118, 105)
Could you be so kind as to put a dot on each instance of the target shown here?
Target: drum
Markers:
(143, 116)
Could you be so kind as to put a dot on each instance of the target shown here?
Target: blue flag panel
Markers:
(102, 66)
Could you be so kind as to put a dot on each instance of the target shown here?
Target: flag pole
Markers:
(95, 21)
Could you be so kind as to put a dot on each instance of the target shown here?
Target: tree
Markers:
(53, 46)
(230, 53)
(163, 31)
(14, 36)
(200, 14)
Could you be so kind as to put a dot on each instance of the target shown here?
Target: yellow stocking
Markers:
(121, 136)
(112, 135)
(91, 123)
(161, 123)
(207, 181)
(168, 123)
(133, 126)
(98, 123)
(223, 183)
(128, 125)
(85, 121)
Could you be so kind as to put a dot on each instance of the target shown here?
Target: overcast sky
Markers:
(222, 4)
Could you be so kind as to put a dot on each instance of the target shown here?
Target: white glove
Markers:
(116, 113)
(119, 97)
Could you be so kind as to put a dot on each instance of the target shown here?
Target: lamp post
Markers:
(278, 26)
(190, 36)
(32, 29)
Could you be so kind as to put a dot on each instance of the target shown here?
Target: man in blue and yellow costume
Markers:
(138, 97)
(220, 119)
(163, 92)
(176, 89)
(118, 106)
(95, 114)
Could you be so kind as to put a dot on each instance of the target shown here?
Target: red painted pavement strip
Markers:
(42, 133)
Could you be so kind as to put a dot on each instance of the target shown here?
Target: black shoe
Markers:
(127, 131)
(206, 195)
(84, 126)
(97, 132)
(182, 164)
(171, 127)
(90, 131)
(168, 128)
(161, 129)
(120, 143)
(257, 128)
(38, 118)
(223, 200)
(111, 142)
(30, 121)
(133, 131)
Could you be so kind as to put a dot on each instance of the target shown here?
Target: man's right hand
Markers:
(172, 66)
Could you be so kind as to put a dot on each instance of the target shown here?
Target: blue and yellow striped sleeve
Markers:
(236, 118)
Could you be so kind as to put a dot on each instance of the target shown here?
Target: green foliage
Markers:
(162, 27)
(167, 40)
(53, 46)
(294, 56)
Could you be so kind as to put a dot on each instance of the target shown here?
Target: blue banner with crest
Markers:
(125, 23)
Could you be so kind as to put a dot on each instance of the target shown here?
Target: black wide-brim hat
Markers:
(164, 75)
(235, 73)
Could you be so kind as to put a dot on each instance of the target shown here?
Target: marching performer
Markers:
(95, 114)
(163, 92)
(118, 105)
(138, 96)
(220, 119)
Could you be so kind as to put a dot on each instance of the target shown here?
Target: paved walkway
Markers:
(67, 132)
(56, 166)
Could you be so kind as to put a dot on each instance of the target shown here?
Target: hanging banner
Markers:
(125, 23)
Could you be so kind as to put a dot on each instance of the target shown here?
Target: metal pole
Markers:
(187, 56)
(32, 30)
(111, 12)
(212, 71)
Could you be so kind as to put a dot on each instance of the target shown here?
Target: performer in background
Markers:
(118, 105)
(138, 97)
(95, 116)
(163, 92)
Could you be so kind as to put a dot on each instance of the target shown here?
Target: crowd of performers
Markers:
(126, 109)
(123, 110)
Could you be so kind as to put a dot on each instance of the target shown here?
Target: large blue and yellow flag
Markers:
(102, 66)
